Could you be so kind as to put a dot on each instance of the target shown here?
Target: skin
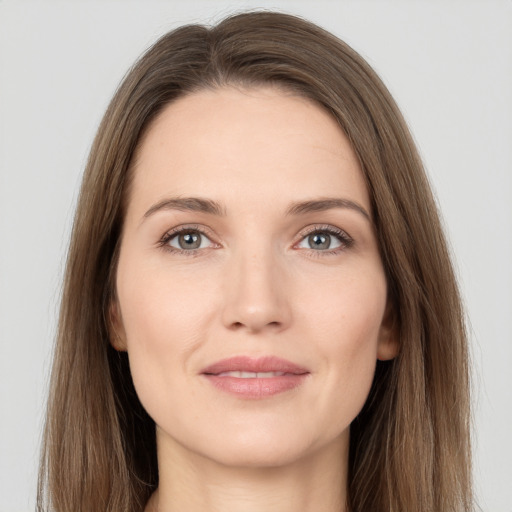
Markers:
(256, 286)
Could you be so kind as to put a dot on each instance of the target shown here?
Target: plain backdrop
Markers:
(448, 64)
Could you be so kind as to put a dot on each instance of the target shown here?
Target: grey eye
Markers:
(320, 241)
(189, 240)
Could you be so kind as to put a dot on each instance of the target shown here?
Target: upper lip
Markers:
(256, 365)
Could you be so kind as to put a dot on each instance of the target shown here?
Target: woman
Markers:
(259, 309)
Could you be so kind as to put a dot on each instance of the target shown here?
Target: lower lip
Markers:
(256, 387)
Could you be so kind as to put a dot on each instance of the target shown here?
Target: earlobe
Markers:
(117, 336)
(388, 345)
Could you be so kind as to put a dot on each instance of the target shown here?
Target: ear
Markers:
(388, 345)
(116, 332)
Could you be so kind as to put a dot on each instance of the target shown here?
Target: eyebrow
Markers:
(320, 205)
(198, 204)
(188, 204)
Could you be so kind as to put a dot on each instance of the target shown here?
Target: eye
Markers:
(186, 239)
(320, 241)
(325, 239)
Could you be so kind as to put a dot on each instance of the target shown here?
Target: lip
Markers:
(290, 376)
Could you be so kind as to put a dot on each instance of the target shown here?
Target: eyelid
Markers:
(205, 231)
(346, 240)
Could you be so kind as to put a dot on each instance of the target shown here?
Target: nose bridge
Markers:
(256, 296)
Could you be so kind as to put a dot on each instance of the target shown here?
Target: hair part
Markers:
(409, 447)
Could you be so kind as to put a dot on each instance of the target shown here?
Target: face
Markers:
(251, 297)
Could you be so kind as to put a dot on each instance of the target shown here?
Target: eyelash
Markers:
(169, 235)
(345, 240)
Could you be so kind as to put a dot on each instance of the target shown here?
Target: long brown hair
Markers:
(409, 446)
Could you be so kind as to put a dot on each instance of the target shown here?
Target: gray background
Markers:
(448, 64)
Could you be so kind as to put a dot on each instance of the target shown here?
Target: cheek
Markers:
(346, 322)
(164, 319)
(162, 308)
(346, 309)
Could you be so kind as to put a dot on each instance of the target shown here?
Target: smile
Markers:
(250, 378)
(251, 375)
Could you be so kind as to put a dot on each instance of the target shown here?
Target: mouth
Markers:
(251, 375)
(255, 378)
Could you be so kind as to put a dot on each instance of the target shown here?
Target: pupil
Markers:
(189, 241)
(319, 241)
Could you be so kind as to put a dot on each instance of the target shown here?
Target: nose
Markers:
(256, 294)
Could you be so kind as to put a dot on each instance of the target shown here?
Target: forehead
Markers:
(244, 144)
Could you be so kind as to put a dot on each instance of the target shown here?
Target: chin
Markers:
(258, 456)
(262, 448)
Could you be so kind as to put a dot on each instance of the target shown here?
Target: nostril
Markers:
(251, 326)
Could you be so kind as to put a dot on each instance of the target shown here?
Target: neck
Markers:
(194, 483)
